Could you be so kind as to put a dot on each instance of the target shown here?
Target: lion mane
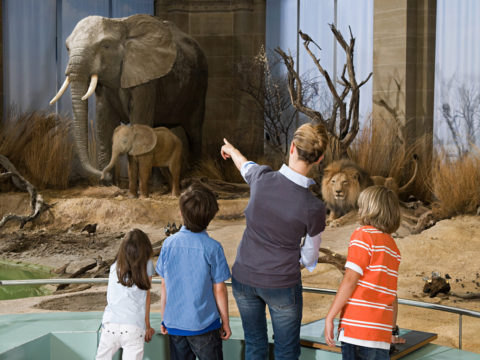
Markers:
(342, 182)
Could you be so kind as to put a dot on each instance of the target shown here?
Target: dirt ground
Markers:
(450, 247)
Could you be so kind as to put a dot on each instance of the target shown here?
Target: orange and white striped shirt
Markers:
(367, 318)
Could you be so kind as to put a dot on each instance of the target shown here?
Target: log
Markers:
(468, 296)
(332, 258)
(77, 273)
(36, 200)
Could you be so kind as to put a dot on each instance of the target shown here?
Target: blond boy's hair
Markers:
(379, 207)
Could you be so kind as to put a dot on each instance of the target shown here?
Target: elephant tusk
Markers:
(61, 91)
(92, 87)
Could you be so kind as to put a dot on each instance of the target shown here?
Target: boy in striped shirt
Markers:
(367, 296)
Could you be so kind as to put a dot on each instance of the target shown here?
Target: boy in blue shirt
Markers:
(194, 298)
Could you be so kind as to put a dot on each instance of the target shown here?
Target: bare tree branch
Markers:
(395, 113)
(347, 112)
(461, 114)
(295, 88)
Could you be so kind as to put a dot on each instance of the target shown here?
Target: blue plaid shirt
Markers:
(191, 263)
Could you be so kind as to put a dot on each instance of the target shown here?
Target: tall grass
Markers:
(226, 170)
(456, 184)
(450, 184)
(216, 169)
(379, 151)
(38, 144)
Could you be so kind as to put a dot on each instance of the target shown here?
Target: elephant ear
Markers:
(144, 140)
(150, 51)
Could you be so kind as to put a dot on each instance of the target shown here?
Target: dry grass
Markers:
(456, 184)
(452, 185)
(217, 169)
(207, 168)
(378, 150)
(38, 144)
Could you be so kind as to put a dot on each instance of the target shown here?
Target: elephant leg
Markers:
(175, 168)
(132, 175)
(145, 170)
(194, 132)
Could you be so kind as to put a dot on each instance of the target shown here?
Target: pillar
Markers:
(404, 52)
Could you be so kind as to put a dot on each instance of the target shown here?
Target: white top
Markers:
(125, 305)
(365, 343)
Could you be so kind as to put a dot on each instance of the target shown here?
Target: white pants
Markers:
(130, 338)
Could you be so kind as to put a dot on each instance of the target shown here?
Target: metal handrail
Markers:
(450, 309)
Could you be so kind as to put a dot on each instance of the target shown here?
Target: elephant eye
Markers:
(106, 44)
(68, 49)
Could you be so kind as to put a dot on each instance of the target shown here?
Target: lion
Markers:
(342, 182)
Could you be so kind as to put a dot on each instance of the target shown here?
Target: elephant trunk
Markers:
(80, 124)
(110, 165)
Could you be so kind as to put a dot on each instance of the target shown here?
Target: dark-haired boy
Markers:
(193, 270)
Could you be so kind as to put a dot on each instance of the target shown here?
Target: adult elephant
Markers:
(143, 71)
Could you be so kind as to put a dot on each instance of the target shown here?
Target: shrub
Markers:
(39, 146)
(456, 184)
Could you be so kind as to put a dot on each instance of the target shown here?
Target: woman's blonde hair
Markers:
(310, 141)
(379, 207)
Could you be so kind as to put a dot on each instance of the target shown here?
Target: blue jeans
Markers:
(206, 346)
(285, 307)
(357, 352)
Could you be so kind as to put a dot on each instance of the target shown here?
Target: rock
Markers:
(436, 285)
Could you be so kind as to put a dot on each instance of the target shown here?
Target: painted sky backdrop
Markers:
(457, 43)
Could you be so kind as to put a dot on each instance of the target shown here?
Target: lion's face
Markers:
(345, 188)
(340, 189)
(340, 186)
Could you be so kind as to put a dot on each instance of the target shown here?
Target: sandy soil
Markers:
(55, 239)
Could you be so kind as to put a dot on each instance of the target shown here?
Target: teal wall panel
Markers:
(75, 336)
(73, 345)
(38, 349)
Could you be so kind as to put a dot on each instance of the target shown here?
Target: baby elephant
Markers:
(146, 148)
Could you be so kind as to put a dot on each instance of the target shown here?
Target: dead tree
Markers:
(267, 94)
(463, 121)
(343, 132)
(36, 200)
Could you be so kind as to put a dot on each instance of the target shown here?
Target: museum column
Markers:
(404, 67)
(228, 32)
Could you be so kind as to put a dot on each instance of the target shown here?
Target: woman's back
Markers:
(280, 212)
